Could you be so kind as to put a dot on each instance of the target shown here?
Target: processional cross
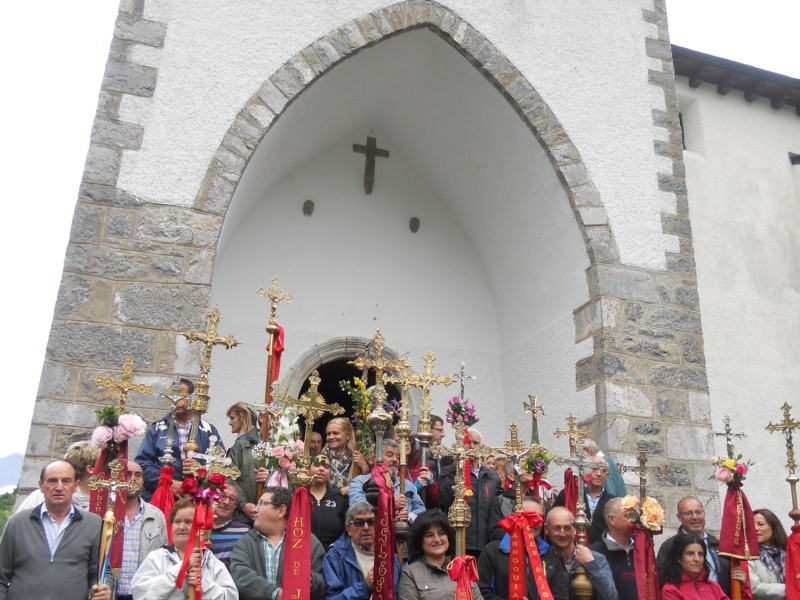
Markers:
(312, 406)
(516, 450)
(215, 461)
(787, 426)
(371, 150)
(275, 296)
(573, 434)
(463, 377)
(124, 385)
(729, 435)
(642, 473)
(209, 338)
(379, 365)
(113, 484)
(172, 399)
(534, 409)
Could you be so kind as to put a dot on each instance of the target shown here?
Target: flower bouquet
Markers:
(463, 410)
(203, 487)
(362, 407)
(114, 428)
(536, 462)
(730, 470)
(649, 514)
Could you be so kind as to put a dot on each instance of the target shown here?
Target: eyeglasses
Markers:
(361, 522)
(230, 499)
(262, 503)
(693, 513)
(601, 468)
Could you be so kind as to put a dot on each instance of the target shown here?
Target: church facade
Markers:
(533, 214)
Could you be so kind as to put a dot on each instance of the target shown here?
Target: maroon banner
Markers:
(297, 562)
(467, 470)
(520, 529)
(793, 564)
(383, 567)
(463, 570)
(98, 499)
(163, 498)
(737, 536)
(644, 561)
(570, 491)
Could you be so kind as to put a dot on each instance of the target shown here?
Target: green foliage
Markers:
(107, 416)
(6, 508)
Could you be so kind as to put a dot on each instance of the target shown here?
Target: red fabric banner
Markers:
(195, 534)
(297, 562)
(520, 528)
(277, 350)
(383, 580)
(644, 561)
(163, 498)
(570, 491)
(793, 565)
(98, 499)
(737, 536)
(463, 570)
(467, 472)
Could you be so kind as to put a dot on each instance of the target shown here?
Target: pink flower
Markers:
(299, 445)
(134, 424)
(277, 452)
(741, 469)
(283, 463)
(288, 454)
(292, 467)
(120, 434)
(101, 436)
(724, 475)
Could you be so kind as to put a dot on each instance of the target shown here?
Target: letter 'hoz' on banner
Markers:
(297, 548)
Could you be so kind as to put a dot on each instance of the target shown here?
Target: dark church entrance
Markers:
(331, 374)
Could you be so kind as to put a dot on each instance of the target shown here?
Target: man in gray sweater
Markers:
(52, 551)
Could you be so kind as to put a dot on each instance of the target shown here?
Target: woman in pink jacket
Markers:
(686, 572)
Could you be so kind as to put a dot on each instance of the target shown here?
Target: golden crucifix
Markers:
(787, 426)
(515, 449)
(425, 381)
(379, 365)
(124, 385)
(573, 434)
(312, 406)
(209, 338)
(275, 295)
(215, 461)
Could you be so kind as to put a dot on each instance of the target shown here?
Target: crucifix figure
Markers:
(787, 426)
(172, 399)
(124, 385)
(371, 150)
(379, 365)
(516, 450)
(573, 434)
(312, 406)
(729, 435)
(275, 345)
(463, 377)
(275, 295)
(209, 338)
(114, 484)
(534, 409)
(215, 461)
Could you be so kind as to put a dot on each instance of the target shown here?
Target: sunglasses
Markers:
(362, 522)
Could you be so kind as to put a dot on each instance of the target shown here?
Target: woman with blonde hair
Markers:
(241, 421)
(344, 458)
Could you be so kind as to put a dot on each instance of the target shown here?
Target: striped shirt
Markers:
(183, 435)
(224, 538)
(132, 533)
(54, 531)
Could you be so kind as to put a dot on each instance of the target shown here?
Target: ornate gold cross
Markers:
(787, 426)
(312, 406)
(114, 484)
(573, 434)
(215, 461)
(534, 409)
(425, 381)
(275, 295)
(210, 338)
(379, 365)
(515, 450)
(124, 385)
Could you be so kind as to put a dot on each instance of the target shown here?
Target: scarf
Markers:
(774, 560)
(341, 467)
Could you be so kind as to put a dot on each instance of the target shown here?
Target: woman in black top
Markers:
(328, 506)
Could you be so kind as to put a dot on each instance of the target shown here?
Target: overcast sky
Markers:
(54, 53)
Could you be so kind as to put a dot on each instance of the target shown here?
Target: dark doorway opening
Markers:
(331, 374)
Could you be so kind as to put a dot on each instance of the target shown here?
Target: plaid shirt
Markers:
(130, 550)
(183, 435)
(271, 558)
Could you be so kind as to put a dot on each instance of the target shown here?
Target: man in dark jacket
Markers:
(348, 565)
(503, 504)
(494, 560)
(692, 516)
(485, 486)
(617, 547)
(595, 496)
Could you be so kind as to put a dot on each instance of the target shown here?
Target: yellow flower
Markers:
(730, 464)
(629, 502)
(652, 514)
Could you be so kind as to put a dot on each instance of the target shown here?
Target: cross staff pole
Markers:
(275, 296)
(534, 409)
(787, 427)
(516, 450)
(124, 385)
(729, 435)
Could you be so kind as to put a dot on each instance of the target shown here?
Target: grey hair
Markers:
(358, 508)
(391, 444)
(591, 444)
(612, 506)
(473, 430)
(689, 497)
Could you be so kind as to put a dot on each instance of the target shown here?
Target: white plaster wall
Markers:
(587, 59)
(743, 205)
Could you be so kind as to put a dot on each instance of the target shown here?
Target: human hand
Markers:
(424, 476)
(371, 578)
(738, 574)
(262, 475)
(359, 460)
(400, 502)
(403, 516)
(101, 592)
(582, 554)
(187, 467)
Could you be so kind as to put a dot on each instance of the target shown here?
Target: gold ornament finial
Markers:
(574, 435)
(275, 295)
(124, 385)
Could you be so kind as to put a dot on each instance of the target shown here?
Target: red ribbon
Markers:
(163, 498)
(98, 499)
(277, 350)
(199, 523)
(570, 491)
(383, 580)
(520, 529)
(644, 561)
(463, 570)
(793, 564)
(297, 561)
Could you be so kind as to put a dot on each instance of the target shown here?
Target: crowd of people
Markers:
(51, 545)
